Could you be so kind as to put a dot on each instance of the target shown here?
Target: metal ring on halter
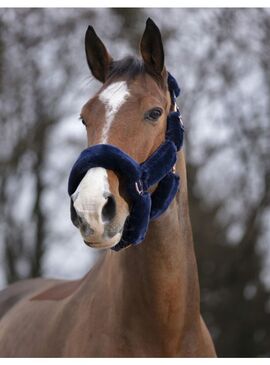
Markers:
(181, 121)
(176, 109)
(139, 187)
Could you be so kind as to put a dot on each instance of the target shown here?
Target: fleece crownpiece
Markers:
(138, 178)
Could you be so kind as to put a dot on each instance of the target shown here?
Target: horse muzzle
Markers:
(96, 211)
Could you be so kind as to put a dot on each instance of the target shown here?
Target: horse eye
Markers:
(82, 120)
(153, 114)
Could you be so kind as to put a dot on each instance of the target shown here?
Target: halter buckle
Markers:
(139, 187)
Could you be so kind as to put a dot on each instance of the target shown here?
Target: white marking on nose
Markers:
(90, 197)
(113, 98)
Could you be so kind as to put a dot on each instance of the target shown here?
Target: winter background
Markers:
(221, 58)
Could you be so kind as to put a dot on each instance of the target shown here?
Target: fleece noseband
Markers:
(138, 178)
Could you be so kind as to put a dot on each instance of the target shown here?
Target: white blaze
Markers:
(90, 196)
(113, 98)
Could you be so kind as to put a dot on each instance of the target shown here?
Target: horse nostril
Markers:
(86, 229)
(109, 209)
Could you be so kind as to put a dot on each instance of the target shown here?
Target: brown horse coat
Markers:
(141, 301)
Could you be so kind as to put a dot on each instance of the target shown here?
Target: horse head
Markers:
(130, 112)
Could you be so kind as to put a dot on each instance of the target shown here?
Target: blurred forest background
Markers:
(221, 58)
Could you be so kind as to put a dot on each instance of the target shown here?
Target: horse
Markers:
(144, 300)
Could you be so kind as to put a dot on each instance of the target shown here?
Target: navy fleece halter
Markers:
(138, 178)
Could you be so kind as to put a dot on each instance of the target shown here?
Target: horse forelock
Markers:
(130, 67)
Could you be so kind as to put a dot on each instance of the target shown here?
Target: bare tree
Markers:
(221, 57)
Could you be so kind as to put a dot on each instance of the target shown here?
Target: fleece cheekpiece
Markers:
(138, 178)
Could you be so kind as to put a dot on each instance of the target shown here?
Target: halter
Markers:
(138, 178)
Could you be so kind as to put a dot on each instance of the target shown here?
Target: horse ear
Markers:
(152, 48)
(97, 56)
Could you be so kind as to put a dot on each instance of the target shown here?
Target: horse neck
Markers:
(159, 277)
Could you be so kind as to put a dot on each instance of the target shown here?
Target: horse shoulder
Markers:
(16, 292)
